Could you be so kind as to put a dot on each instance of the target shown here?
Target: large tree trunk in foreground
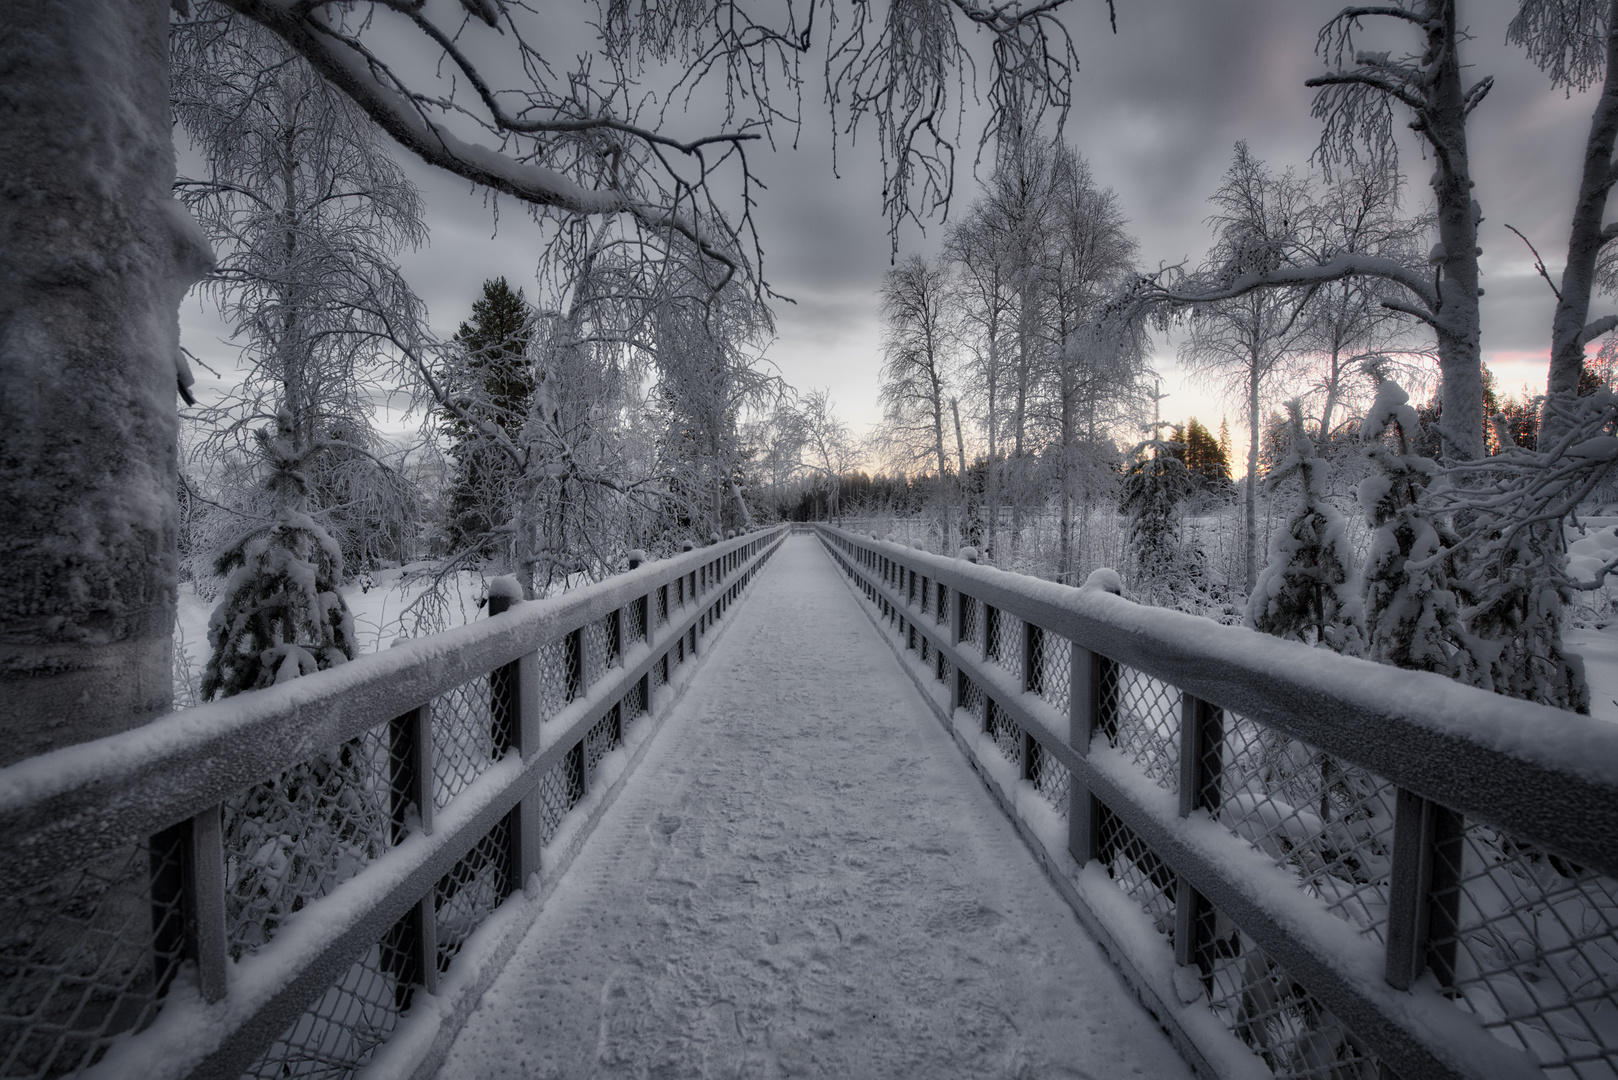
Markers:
(94, 258)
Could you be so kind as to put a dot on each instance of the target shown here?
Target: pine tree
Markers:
(1206, 457)
(493, 380)
(1412, 611)
(282, 614)
(1153, 490)
(1308, 590)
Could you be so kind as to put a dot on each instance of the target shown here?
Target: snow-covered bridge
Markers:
(703, 820)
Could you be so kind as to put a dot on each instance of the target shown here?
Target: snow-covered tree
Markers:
(91, 360)
(1309, 589)
(1412, 610)
(1154, 491)
(487, 372)
(307, 211)
(918, 347)
(1242, 342)
(281, 613)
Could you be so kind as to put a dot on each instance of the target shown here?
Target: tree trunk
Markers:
(94, 259)
(1250, 496)
(960, 470)
(1584, 245)
(1460, 358)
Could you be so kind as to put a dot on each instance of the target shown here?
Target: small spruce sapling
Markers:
(1308, 590)
(282, 614)
(1412, 612)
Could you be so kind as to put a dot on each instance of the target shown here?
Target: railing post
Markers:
(1201, 736)
(1084, 718)
(187, 862)
(955, 626)
(1423, 898)
(1032, 682)
(414, 944)
(514, 691)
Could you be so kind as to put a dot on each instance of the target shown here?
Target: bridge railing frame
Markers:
(1450, 770)
(418, 788)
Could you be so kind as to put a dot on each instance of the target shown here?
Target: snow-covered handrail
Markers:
(336, 836)
(1340, 853)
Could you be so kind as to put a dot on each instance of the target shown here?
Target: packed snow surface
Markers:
(805, 878)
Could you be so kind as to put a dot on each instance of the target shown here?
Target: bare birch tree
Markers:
(918, 344)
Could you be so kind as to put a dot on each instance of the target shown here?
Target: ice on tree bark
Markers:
(94, 258)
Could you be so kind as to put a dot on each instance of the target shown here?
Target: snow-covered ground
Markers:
(805, 878)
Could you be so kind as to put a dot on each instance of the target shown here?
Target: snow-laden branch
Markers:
(1199, 291)
(361, 75)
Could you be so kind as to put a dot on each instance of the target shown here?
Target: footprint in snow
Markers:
(668, 823)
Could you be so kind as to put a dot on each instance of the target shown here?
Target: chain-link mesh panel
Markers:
(1143, 877)
(1003, 730)
(1003, 634)
(293, 839)
(1329, 822)
(559, 791)
(1140, 715)
(910, 637)
(660, 671)
(971, 697)
(1526, 942)
(1278, 1019)
(971, 622)
(471, 891)
(942, 613)
(926, 649)
(82, 957)
(928, 604)
(594, 634)
(1051, 667)
(635, 621)
(552, 679)
(1050, 777)
(633, 704)
(340, 1030)
(940, 667)
(604, 736)
(470, 726)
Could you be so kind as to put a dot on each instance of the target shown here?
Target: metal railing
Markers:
(260, 887)
(1307, 865)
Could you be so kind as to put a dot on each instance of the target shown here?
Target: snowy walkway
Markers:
(804, 878)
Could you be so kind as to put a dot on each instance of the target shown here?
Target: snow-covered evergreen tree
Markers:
(1154, 488)
(1412, 612)
(1515, 504)
(281, 614)
(1309, 590)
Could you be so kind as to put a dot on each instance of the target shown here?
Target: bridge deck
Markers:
(805, 878)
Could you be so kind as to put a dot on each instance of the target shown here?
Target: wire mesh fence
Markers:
(1328, 822)
(1530, 949)
(85, 958)
(1136, 869)
(296, 838)
(1003, 638)
(1275, 1016)
(341, 1029)
(471, 728)
(470, 892)
(1140, 715)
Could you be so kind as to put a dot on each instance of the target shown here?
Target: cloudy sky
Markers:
(1159, 107)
